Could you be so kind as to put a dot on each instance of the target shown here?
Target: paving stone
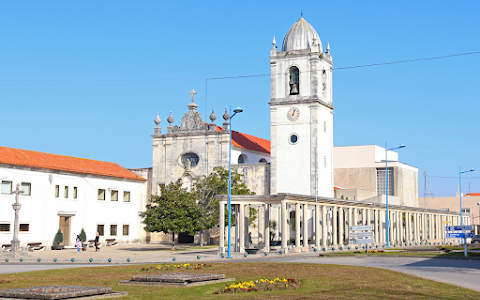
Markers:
(54, 292)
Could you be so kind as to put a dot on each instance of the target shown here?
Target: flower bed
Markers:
(260, 285)
(184, 266)
(4, 281)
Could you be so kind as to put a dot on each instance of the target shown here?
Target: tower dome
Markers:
(301, 36)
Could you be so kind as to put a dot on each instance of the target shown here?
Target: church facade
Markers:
(293, 173)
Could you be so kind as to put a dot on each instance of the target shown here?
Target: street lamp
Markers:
(386, 186)
(16, 207)
(461, 210)
(235, 111)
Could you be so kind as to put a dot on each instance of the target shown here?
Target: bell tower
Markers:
(301, 112)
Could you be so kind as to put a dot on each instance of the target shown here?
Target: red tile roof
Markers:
(27, 158)
(250, 142)
(473, 194)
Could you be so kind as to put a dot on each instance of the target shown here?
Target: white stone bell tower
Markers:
(301, 114)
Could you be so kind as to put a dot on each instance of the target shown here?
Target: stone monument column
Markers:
(16, 224)
(340, 226)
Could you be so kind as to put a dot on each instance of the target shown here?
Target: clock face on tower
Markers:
(293, 114)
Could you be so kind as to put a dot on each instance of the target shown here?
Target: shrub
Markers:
(58, 237)
(83, 236)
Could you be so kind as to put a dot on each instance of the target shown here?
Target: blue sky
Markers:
(86, 78)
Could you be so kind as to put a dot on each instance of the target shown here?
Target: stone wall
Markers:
(256, 177)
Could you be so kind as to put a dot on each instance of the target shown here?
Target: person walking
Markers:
(97, 241)
(78, 243)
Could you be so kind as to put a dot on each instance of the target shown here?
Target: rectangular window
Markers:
(101, 194)
(381, 187)
(57, 191)
(466, 210)
(26, 187)
(101, 230)
(24, 227)
(126, 196)
(113, 230)
(5, 227)
(126, 229)
(114, 196)
(65, 194)
(6, 187)
(75, 191)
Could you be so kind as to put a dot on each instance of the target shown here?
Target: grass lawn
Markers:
(318, 282)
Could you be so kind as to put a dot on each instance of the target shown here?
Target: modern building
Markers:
(70, 194)
(360, 172)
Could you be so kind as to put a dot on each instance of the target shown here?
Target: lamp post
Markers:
(16, 225)
(386, 187)
(461, 209)
(235, 111)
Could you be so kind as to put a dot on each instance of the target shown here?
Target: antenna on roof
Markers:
(301, 13)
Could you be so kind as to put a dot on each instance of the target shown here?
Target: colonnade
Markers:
(304, 223)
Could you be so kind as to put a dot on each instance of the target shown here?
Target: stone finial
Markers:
(274, 43)
(157, 120)
(226, 116)
(328, 47)
(170, 119)
(213, 117)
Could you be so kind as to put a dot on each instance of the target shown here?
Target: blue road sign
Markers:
(459, 235)
(459, 228)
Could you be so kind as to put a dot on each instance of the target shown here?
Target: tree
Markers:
(58, 239)
(207, 187)
(174, 210)
(83, 236)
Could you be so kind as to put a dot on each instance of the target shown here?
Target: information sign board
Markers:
(355, 235)
(459, 235)
(360, 228)
(459, 228)
(365, 241)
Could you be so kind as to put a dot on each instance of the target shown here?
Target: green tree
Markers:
(205, 190)
(174, 210)
(58, 239)
(83, 236)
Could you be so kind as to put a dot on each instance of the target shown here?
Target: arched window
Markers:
(190, 159)
(262, 160)
(294, 81)
(324, 83)
(242, 159)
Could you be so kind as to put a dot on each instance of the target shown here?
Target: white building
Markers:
(69, 193)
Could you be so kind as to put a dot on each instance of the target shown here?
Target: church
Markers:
(301, 181)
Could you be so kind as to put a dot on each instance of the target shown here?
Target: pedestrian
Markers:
(78, 244)
(97, 241)
(250, 239)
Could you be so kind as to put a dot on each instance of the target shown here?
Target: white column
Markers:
(383, 227)
(317, 226)
(355, 216)
(397, 227)
(297, 227)
(391, 229)
(266, 209)
(241, 233)
(349, 220)
(415, 227)
(334, 227)
(305, 227)
(261, 227)
(340, 226)
(221, 237)
(324, 226)
(284, 226)
(375, 227)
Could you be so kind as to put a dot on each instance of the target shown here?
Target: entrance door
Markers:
(65, 228)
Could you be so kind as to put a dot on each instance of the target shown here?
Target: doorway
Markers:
(65, 228)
